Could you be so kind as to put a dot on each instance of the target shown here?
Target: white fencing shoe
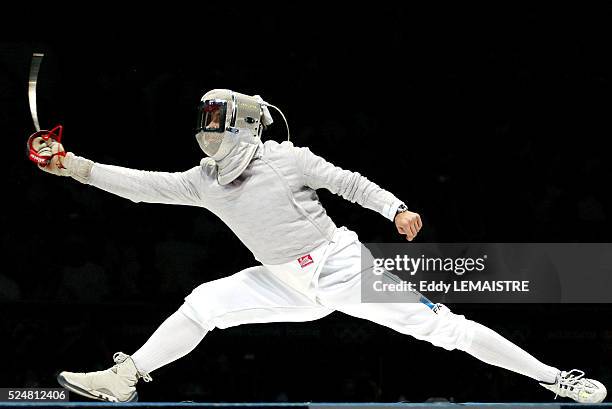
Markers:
(116, 384)
(574, 385)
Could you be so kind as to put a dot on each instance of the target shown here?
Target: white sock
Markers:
(492, 348)
(175, 338)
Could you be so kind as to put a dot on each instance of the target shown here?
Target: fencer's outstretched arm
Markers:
(146, 186)
(135, 185)
(319, 173)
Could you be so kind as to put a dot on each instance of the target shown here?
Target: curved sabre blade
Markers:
(34, 68)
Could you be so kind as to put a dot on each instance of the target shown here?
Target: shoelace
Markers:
(120, 357)
(568, 381)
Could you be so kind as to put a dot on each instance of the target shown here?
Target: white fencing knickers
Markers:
(329, 280)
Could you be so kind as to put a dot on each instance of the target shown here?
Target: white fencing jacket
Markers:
(272, 206)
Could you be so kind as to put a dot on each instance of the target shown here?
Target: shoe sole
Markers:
(101, 396)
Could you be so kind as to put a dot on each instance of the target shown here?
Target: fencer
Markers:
(307, 266)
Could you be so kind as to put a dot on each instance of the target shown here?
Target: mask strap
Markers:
(267, 118)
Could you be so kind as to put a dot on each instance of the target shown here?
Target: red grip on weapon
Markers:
(54, 134)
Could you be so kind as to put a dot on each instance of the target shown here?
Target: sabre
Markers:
(34, 68)
(39, 145)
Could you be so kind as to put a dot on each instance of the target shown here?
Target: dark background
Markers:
(493, 123)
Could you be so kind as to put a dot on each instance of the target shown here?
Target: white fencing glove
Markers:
(65, 164)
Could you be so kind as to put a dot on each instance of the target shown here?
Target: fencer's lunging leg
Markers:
(250, 296)
(253, 295)
(176, 337)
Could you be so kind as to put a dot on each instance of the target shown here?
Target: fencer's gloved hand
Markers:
(67, 164)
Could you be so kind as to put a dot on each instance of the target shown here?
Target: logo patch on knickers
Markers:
(434, 307)
(305, 260)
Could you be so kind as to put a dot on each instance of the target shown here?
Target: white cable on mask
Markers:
(267, 117)
(284, 119)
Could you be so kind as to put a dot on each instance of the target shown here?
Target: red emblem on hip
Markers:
(305, 260)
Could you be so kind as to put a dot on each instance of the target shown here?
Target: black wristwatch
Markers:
(401, 209)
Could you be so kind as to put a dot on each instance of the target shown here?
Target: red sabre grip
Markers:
(39, 145)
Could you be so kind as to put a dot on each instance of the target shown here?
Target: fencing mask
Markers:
(229, 129)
